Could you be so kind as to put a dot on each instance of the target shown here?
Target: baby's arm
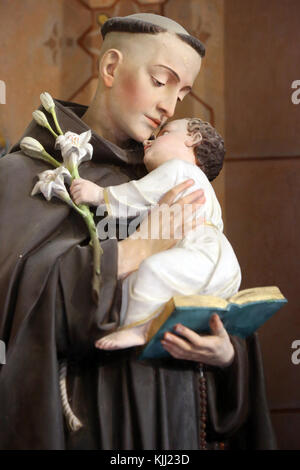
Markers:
(85, 192)
(137, 196)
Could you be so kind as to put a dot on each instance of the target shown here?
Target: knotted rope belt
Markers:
(73, 423)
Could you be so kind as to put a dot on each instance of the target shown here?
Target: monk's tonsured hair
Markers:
(139, 26)
(210, 151)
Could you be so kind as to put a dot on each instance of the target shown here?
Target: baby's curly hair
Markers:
(210, 152)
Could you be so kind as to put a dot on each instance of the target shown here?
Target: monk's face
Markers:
(148, 84)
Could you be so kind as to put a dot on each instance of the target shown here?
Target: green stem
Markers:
(97, 253)
(56, 121)
(88, 217)
(52, 131)
(49, 159)
(75, 173)
(77, 208)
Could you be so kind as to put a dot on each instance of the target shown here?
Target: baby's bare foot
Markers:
(124, 338)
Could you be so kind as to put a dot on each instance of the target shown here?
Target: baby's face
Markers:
(170, 143)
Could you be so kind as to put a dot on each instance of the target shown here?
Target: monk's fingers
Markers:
(169, 197)
(217, 327)
(183, 213)
(174, 350)
(217, 330)
(193, 337)
(197, 197)
(191, 224)
(179, 353)
(178, 220)
(213, 349)
(181, 343)
(193, 353)
(216, 349)
(206, 344)
(195, 222)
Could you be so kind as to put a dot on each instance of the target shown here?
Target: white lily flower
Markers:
(47, 101)
(32, 147)
(75, 148)
(51, 183)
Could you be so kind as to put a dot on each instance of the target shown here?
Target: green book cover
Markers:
(241, 315)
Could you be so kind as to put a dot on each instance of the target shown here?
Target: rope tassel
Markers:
(74, 424)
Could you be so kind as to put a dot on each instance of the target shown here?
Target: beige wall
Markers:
(205, 19)
(262, 186)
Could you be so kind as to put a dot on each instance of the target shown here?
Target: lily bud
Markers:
(32, 147)
(40, 118)
(47, 101)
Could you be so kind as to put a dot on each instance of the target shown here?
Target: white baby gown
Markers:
(203, 262)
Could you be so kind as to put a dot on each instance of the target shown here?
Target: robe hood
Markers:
(69, 116)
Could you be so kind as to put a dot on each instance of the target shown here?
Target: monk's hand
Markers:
(86, 192)
(170, 221)
(215, 349)
(161, 229)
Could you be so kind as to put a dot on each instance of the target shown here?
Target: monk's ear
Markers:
(109, 63)
(193, 139)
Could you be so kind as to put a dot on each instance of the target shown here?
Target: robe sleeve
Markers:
(39, 236)
(80, 321)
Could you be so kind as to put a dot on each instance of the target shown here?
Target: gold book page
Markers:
(200, 301)
(256, 294)
(160, 320)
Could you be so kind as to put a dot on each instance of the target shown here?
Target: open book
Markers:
(241, 315)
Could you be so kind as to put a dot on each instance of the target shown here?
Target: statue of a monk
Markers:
(47, 313)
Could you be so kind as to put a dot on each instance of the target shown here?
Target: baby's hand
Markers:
(86, 192)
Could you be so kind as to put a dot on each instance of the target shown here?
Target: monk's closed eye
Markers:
(157, 83)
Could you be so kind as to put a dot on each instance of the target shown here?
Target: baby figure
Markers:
(203, 262)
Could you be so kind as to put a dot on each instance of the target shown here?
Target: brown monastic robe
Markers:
(47, 313)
